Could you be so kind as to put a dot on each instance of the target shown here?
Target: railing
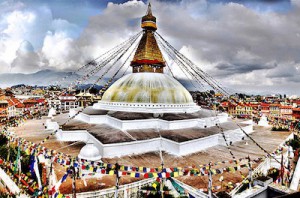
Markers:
(191, 190)
(259, 167)
(124, 191)
(255, 171)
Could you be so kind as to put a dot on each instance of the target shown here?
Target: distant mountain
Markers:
(51, 77)
(40, 78)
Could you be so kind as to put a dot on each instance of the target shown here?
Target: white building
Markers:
(67, 102)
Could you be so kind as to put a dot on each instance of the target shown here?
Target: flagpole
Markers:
(8, 146)
(162, 166)
(117, 179)
(209, 181)
(250, 172)
(74, 181)
(162, 179)
(282, 169)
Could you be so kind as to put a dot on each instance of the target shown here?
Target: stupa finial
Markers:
(149, 11)
(149, 21)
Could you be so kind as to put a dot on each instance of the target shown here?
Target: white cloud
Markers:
(27, 60)
(236, 44)
(61, 51)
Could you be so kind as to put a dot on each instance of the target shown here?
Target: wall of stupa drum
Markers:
(147, 68)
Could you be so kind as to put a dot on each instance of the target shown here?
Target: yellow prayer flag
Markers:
(176, 174)
(154, 185)
(155, 175)
(132, 174)
(111, 172)
(27, 151)
(59, 195)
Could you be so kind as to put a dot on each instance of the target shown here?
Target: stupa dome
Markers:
(90, 152)
(147, 92)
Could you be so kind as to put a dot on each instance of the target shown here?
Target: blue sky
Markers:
(249, 44)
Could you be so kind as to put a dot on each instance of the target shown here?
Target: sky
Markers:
(247, 45)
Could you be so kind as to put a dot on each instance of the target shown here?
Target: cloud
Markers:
(21, 25)
(235, 42)
(35, 26)
(61, 51)
(27, 60)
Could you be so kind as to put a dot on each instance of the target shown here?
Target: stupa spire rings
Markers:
(148, 57)
(149, 21)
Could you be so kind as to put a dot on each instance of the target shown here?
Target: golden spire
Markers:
(148, 57)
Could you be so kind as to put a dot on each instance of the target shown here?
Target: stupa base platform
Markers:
(115, 137)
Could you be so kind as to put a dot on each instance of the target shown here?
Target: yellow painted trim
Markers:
(148, 24)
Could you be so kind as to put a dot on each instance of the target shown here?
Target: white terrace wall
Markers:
(151, 123)
(76, 135)
(198, 144)
(143, 146)
(128, 148)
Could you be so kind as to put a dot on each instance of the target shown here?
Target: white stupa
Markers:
(51, 112)
(90, 152)
(146, 111)
(263, 121)
(147, 93)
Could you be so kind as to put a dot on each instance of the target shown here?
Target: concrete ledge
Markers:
(151, 123)
(154, 144)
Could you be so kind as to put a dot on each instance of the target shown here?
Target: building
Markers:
(3, 104)
(275, 110)
(30, 105)
(296, 113)
(15, 107)
(265, 108)
(286, 111)
(84, 99)
(241, 110)
(67, 102)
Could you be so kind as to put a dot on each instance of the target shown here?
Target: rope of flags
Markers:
(54, 190)
(164, 172)
(27, 183)
(121, 49)
(65, 160)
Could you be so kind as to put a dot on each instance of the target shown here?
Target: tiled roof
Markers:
(286, 107)
(30, 101)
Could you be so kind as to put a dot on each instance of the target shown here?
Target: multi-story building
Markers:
(240, 110)
(15, 107)
(30, 105)
(67, 102)
(296, 113)
(84, 99)
(265, 109)
(286, 111)
(275, 110)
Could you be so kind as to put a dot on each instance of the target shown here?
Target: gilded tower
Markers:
(148, 57)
